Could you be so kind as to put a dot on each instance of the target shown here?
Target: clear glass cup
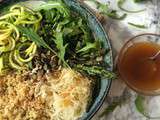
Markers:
(146, 37)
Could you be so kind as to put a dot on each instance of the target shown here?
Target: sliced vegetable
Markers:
(1, 64)
(16, 59)
(26, 16)
(13, 64)
(9, 46)
(139, 103)
(137, 25)
(120, 5)
(113, 14)
(88, 47)
(10, 38)
(11, 29)
(9, 15)
(31, 50)
(5, 34)
(104, 9)
(32, 19)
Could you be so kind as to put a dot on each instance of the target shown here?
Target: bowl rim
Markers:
(90, 115)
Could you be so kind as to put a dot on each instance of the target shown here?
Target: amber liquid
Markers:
(135, 67)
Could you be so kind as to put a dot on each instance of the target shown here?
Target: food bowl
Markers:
(102, 86)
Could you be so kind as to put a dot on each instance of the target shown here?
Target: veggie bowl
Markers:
(60, 51)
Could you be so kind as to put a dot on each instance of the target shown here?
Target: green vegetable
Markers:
(96, 70)
(10, 46)
(113, 14)
(32, 35)
(58, 5)
(139, 1)
(30, 52)
(139, 103)
(88, 46)
(120, 5)
(10, 37)
(13, 64)
(61, 48)
(137, 25)
(1, 64)
(16, 59)
(104, 9)
(7, 29)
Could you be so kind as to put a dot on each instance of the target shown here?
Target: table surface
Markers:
(119, 32)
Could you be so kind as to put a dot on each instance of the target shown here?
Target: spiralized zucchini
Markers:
(19, 48)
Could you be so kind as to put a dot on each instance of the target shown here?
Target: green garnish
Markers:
(57, 5)
(33, 36)
(139, 103)
(13, 64)
(88, 47)
(120, 5)
(96, 70)
(11, 39)
(139, 1)
(113, 14)
(28, 36)
(61, 47)
(104, 9)
(137, 25)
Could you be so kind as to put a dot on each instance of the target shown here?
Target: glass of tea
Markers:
(139, 63)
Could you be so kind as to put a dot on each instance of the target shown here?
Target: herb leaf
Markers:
(140, 106)
(120, 5)
(33, 36)
(96, 70)
(113, 14)
(139, 103)
(104, 9)
(61, 48)
(137, 25)
(88, 47)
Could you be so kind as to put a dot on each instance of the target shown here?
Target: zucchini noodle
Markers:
(13, 64)
(30, 51)
(5, 33)
(12, 42)
(1, 64)
(10, 46)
